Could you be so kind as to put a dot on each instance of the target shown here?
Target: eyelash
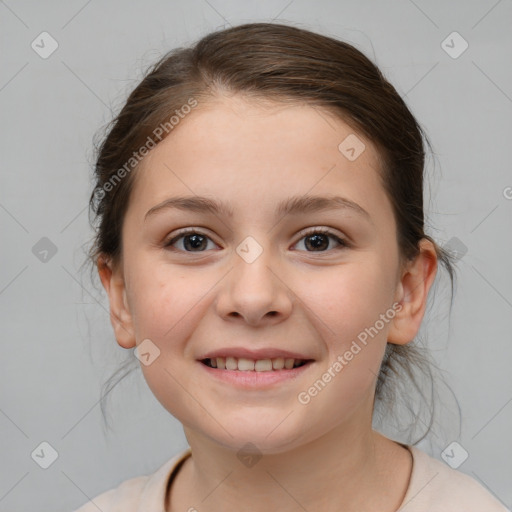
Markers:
(343, 244)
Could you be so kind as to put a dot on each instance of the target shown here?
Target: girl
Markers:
(261, 241)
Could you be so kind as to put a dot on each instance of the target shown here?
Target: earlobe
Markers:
(412, 294)
(120, 315)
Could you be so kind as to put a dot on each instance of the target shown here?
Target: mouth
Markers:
(256, 374)
(254, 365)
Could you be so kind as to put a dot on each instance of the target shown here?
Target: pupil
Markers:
(195, 241)
(317, 243)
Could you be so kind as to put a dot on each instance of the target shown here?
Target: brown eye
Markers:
(192, 242)
(318, 240)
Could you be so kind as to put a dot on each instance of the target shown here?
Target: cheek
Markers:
(168, 307)
(347, 310)
(351, 297)
(165, 302)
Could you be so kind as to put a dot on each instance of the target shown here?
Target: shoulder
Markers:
(139, 493)
(435, 487)
(126, 495)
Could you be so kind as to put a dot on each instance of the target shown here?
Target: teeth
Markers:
(244, 364)
(278, 363)
(260, 365)
(231, 363)
(263, 365)
(288, 363)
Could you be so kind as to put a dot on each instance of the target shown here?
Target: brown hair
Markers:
(280, 63)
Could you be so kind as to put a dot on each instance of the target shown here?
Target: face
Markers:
(257, 276)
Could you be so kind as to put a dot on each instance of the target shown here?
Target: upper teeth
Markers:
(259, 365)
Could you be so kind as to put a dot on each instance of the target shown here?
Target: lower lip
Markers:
(256, 380)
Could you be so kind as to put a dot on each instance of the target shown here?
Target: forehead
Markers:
(253, 154)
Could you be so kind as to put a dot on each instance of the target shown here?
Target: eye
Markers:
(193, 241)
(319, 238)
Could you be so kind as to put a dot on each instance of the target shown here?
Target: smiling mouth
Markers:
(259, 365)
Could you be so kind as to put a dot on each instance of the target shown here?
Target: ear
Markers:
(412, 293)
(120, 316)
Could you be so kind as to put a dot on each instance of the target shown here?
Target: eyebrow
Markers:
(292, 205)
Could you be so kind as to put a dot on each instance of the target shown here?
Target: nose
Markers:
(255, 293)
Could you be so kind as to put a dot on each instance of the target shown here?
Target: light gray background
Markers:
(57, 343)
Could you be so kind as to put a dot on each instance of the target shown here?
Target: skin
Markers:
(320, 456)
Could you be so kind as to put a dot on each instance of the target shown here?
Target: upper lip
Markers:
(262, 353)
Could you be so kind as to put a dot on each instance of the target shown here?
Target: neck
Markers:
(344, 470)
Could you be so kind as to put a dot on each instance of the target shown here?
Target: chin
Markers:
(257, 439)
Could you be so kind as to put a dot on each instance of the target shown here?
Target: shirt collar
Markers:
(154, 492)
